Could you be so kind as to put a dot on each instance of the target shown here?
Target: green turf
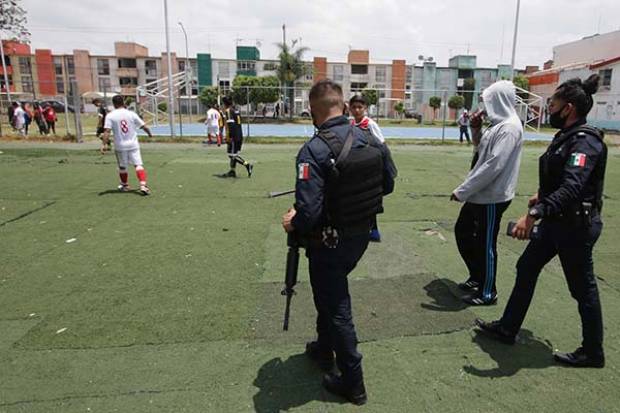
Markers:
(171, 303)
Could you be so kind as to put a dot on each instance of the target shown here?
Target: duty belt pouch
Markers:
(586, 213)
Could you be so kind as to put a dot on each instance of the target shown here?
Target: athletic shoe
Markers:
(144, 190)
(469, 285)
(124, 188)
(476, 299)
(249, 167)
(579, 358)
(495, 330)
(355, 394)
(324, 358)
(375, 236)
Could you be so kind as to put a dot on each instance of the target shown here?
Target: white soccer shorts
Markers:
(131, 156)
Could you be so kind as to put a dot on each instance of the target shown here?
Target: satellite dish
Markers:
(430, 59)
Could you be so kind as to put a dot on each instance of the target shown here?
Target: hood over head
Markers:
(499, 101)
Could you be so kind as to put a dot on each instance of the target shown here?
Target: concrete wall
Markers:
(589, 50)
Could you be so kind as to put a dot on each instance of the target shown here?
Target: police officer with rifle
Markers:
(342, 176)
(568, 204)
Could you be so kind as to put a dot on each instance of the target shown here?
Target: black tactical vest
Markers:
(354, 192)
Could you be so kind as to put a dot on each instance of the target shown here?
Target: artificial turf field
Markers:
(171, 303)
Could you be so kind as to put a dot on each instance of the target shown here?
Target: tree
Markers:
(523, 83)
(371, 96)
(12, 24)
(255, 90)
(399, 107)
(290, 68)
(208, 96)
(469, 85)
(456, 102)
(435, 103)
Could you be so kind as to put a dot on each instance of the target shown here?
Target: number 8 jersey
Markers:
(124, 124)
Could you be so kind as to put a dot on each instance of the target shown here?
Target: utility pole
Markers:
(170, 84)
(284, 34)
(188, 85)
(514, 43)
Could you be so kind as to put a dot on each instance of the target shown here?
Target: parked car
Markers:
(412, 114)
(58, 105)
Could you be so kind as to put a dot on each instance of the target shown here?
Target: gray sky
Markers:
(390, 29)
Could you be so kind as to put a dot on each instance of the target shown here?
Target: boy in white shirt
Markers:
(125, 123)
(213, 125)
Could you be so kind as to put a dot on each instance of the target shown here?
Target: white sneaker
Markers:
(124, 188)
(144, 190)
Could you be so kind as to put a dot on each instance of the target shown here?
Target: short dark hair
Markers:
(579, 93)
(227, 100)
(118, 101)
(358, 99)
(327, 93)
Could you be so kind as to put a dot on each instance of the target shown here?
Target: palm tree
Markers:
(290, 69)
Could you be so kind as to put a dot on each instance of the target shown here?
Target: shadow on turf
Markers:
(440, 291)
(529, 352)
(116, 191)
(287, 384)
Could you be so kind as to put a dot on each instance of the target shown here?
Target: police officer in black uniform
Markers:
(568, 203)
(342, 175)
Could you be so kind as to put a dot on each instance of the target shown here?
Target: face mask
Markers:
(556, 120)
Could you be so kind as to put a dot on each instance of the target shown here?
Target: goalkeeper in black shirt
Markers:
(234, 139)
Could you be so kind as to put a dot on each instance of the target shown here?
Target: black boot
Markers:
(355, 393)
(579, 358)
(324, 358)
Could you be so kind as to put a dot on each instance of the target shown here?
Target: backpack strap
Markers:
(339, 150)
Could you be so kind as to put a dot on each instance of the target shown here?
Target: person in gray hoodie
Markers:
(487, 192)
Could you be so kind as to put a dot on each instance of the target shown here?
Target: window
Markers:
(605, 77)
(150, 67)
(104, 84)
(181, 65)
(58, 66)
(338, 73)
(24, 66)
(70, 65)
(26, 84)
(2, 84)
(246, 65)
(358, 86)
(60, 84)
(223, 69)
(103, 67)
(224, 86)
(125, 63)
(380, 74)
(409, 74)
(151, 85)
(128, 81)
(270, 66)
(359, 69)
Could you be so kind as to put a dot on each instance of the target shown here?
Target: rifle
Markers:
(290, 277)
(280, 193)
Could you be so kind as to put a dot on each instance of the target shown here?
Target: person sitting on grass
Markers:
(358, 106)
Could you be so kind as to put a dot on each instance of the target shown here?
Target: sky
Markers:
(390, 29)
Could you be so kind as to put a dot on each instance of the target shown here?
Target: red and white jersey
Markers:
(367, 123)
(124, 124)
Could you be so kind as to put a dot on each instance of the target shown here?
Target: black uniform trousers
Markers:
(573, 244)
(476, 232)
(463, 130)
(329, 268)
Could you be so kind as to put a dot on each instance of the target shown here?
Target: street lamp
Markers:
(514, 43)
(170, 84)
(188, 86)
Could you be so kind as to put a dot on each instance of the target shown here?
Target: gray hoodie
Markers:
(494, 177)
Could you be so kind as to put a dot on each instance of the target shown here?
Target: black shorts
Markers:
(100, 131)
(234, 146)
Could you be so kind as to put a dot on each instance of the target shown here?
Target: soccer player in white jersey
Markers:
(213, 125)
(124, 124)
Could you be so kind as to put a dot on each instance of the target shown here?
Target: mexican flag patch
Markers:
(303, 171)
(578, 159)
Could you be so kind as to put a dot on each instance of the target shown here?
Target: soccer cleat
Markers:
(475, 299)
(579, 358)
(355, 394)
(324, 358)
(249, 167)
(375, 236)
(124, 188)
(144, 190)
(496, 331)
(469, 285)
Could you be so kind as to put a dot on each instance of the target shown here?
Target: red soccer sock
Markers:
(124, 176)
(141, 174)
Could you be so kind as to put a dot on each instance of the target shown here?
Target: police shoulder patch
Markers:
(578, 159)
(303, 171)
